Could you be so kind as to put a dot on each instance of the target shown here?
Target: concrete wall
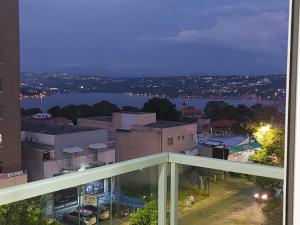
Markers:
(11, 181)
(79, 139)
(126, 120)
(184, 138)
(10, 149)
(41, 138)
(143, 141)
(134, 144)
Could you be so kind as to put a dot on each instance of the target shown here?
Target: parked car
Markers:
(103, 211)
(119, 209)
(87, 217)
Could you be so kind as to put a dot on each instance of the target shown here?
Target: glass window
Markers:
(170, 141)
(1, 167)
(95, 155)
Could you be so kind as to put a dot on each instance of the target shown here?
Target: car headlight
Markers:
(264, 197)
(256, 195)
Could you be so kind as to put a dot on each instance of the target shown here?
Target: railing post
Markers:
(174, 194)
(162, 194)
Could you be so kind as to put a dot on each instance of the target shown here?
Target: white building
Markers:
(49, 150)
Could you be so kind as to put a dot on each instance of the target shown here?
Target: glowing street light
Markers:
(265, 128)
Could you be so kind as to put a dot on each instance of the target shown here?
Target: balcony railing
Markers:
(169, 170)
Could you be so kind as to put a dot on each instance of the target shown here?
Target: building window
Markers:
(95, 155)
(1, 167)
(69, 157)
(191, 137)
(46, 156)
(182, 137)
(170, 141)
(1, 56)
(178, 138)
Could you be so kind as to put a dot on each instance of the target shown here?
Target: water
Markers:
(120, 100)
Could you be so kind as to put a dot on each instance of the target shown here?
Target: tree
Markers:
(70, 112)
(145, 216)
(55, 111)
(104, 108)
(164, 109)
(216, 110)
(30, 111)
(84, 110)
(130, 109)
(26, 212)
(264, 112)
(272, 142)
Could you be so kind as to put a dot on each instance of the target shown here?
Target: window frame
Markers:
(291, 202)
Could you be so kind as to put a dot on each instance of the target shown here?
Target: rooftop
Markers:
(36, 146)
(166, 124)
(136, 113)
(45, 128)
(101, 118)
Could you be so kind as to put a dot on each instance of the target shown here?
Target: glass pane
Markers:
(216, 198)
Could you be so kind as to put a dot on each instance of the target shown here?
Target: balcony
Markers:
(181, 189)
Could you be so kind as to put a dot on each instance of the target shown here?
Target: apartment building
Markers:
(133, 131)
(49, 150)
(156, 137)
(118, 120)
(10, 154)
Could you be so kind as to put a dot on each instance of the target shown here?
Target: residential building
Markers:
(49, 150)
(234, 148)
(118, 120)
(223, 126)
(156, 137)
(10, 145)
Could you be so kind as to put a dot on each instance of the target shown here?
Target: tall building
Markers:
(10, 147)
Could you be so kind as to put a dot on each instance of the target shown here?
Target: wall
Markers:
(181, 138)
(11, 181)
(79, 139)
(41, 138)
(10, 150)
(134, 144)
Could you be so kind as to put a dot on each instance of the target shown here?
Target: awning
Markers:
(245, 147)
(72, 149)
(98, 146)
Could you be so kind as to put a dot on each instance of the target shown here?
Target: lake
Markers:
(121, 100)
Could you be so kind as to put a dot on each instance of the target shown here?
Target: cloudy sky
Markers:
(154, 37)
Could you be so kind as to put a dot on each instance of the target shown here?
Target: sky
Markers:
(154, 37)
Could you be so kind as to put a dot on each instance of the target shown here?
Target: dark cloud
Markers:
(155, 37)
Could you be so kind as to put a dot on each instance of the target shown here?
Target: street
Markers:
(237, 209)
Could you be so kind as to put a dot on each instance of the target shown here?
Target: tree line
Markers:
(165, 110)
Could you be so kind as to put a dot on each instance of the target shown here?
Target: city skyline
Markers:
(156, 38)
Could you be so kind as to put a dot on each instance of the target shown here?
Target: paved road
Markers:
(237, 209)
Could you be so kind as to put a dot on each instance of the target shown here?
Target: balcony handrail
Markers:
(226, 165)
(41, 187)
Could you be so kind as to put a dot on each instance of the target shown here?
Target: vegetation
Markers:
(30, 112)
(164, 109)
(73, 112)
(145, 216)
(26, 212)
(272, 141)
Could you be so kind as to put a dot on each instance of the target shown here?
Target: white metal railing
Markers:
(37, 188)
